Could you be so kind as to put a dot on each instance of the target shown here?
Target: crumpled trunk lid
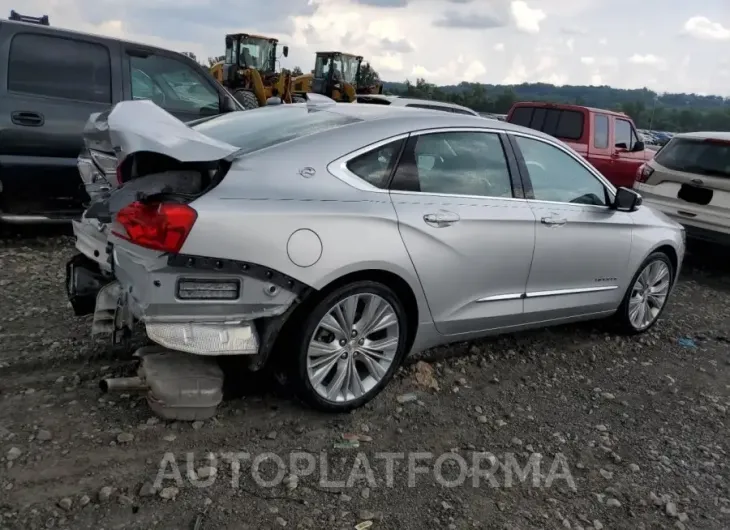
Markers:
(135, 150)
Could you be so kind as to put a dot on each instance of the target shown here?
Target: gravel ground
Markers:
(641, 425)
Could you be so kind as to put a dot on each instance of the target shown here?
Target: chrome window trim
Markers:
(501, 298)
(581, 161)
(338, 167)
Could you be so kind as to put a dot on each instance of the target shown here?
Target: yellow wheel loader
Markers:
(336, 75)
(249, 71)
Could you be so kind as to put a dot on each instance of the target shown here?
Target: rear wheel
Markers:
(647, 294)
(247, 99)
(348, 346)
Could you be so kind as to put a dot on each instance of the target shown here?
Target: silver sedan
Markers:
(331, 240)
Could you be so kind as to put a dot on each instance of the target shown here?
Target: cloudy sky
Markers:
(666, 45)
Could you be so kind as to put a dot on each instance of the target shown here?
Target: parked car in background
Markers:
(689, 180)
(608, 140)
(51, 80)
(398, 101)
(376, 220)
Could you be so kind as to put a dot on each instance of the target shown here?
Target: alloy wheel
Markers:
(352, 347)
(649, 294)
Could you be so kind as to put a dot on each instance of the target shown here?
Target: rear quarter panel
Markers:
(254, 213)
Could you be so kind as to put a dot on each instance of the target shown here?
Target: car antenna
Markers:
(43, 21)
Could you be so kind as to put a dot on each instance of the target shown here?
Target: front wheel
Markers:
(247, 99)
(647, 295)
(349, 346)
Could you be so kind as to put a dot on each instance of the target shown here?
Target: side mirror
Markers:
(285, 51)
(227, 104)
(638, 146)
(626, 200)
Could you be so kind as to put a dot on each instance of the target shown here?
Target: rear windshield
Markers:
(252, 130)
(703, 157)
(561, 123)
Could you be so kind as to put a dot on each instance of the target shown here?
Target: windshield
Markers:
(703, 157)
(345, 68)
(253, 52)
(267, 126)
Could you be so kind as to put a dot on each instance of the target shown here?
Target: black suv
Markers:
(51, 80)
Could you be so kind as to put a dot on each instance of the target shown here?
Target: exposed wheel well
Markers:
(672, 255)
(399, 285)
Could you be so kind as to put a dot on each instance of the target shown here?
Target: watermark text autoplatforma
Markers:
(380, 469)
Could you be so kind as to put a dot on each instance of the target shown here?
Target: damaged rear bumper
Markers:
(202, 306)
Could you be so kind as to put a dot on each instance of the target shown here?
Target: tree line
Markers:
(650, 110)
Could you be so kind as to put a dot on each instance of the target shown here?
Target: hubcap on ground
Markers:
(352, 347)
(649, 294)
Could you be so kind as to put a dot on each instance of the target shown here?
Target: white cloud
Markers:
(499, 47)
(526, 18)
(570, 43)
(648, 59)
(603, 42)
(704, 28)
(588, 60)
(597, 80)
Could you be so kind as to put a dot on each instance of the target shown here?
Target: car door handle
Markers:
(27, 119)
(553, 221)
(441, 219)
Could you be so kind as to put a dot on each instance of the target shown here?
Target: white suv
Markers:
(689, 180)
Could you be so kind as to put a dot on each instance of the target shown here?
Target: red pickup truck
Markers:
(607, 139)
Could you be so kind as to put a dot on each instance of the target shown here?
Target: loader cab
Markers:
(251, 51)
(334, 72)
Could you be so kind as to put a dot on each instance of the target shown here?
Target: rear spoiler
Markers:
(136, 126)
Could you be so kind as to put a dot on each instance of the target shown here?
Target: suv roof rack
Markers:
(43, 21)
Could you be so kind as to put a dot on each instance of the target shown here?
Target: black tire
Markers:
(305, 327)
(621, 318)
(247, 99)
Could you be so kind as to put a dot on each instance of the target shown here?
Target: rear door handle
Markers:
(441, 219)
(27, 119)
(553, 221)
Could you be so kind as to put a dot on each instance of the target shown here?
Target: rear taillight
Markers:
(644, 172)
(157, 226)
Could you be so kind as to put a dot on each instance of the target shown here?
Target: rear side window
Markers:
(600, 133)
(59, 67)
(264, 127)
(376, 166)
(561, 123)
(702, 157)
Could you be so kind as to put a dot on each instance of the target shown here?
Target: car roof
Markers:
(410, 116)
(568, 106)
(402, 101)
(705, 135)
(56, 29)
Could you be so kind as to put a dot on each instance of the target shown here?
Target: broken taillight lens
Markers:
(644, 172)
(157, 226)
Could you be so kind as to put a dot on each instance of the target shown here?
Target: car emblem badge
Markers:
(307, 172)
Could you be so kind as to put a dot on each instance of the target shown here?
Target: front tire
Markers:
(647, 295)
(348, 347)
(247, 99)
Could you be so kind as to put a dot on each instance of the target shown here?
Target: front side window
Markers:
(59, 67)
(457, 163)
(172, 84)
(557, 176)
(375, 166)
(600, 133)
(625, 135)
